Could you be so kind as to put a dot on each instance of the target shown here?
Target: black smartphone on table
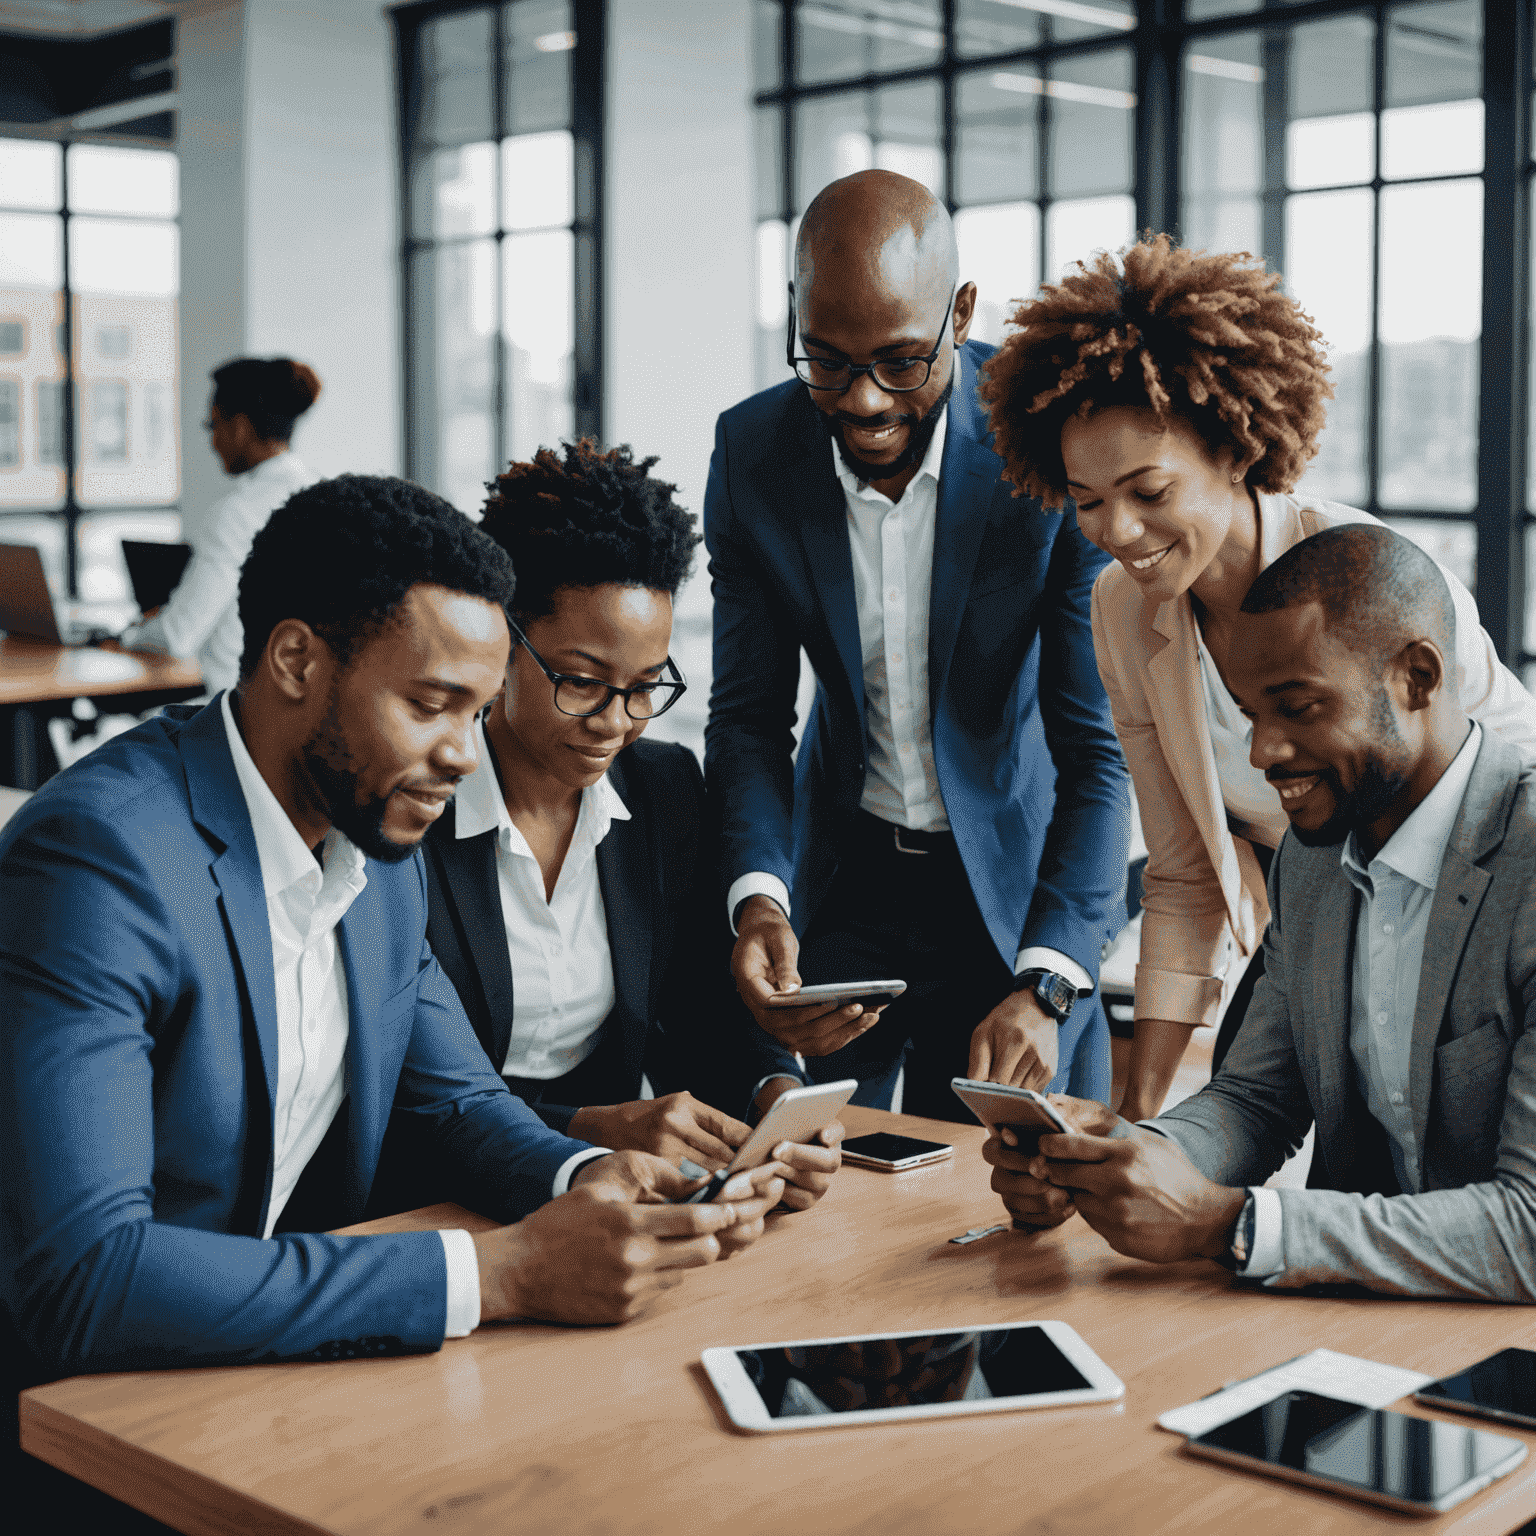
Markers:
(1501, 1387)
(893, 1154)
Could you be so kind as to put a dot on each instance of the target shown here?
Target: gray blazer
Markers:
(1472, 1231)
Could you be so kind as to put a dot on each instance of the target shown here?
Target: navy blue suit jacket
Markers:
(1029, 767)
(139, 1021)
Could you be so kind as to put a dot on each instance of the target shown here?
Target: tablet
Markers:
(887, 1378)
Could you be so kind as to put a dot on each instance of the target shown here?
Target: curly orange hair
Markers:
(1210, 339)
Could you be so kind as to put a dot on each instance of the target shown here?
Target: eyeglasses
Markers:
(585, 696)
(895, 375)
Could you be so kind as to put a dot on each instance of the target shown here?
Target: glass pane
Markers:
(537, 180)
(1075, 231)
(1530, 600)
(1223, 117)
(1430, 318)
(1328, 272)
(906, 133)
(541, 39)
(1000, 253)
(773, 275)
(994, 26)
(31, 174)
(1199, 10)
(769, 167)
(29, 327)
(1330, 73)
(31, 251)
(103, 573)
(1434, 52)
(10, 423)
(107, 180)
(997, 159)
(454, 192)
(843, 38)
(538, 309)
(767, 44)
(1530, 453)
(456, 64)
(47, 534)
(1093, 121)
(1435, 140)
(896, 129)
(1330, 151)
(453, 350)
(1454, 545)
(122, 256)
(125, 367)
(1070, 19)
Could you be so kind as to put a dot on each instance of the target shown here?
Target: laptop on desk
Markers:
(27, 606)
(154, 570)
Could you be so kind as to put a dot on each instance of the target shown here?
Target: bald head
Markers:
(1378, 591)
(879, 231)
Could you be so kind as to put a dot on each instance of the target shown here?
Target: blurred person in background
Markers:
(1176, 397)
(255, 406)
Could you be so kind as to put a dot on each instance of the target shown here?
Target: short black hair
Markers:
(273, 392)
(1378, 590)
(342, 554)
(581, 517)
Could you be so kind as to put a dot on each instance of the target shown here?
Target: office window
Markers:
(10, 423)
(502, 150)
(93, 336)
(1361, 148)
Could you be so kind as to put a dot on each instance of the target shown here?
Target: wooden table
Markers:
(38, 680)
(534, 1428)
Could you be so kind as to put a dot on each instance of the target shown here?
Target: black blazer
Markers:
(675, 1015)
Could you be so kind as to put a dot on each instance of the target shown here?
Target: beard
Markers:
(328, 759)
(918, 439)
(1381, 781)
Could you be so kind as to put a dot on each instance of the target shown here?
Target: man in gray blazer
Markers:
(1400, 981)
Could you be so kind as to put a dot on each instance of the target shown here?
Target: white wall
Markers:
(290, 227)
(679, 315)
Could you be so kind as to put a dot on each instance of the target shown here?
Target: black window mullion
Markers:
(1158, 81)
(587, 109)
(947, 138)
(67, 405)
(498, 298)
(1373, 347)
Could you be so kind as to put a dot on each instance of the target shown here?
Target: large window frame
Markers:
(1504, 520)
(586, 126)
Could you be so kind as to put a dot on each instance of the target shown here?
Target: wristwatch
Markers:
(1052, 991)
(1240, 1249)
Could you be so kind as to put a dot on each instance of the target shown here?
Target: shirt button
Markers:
(896, 656)
(1386, 927)
(1381, 1018)
(893, 594)
(1397, 1098)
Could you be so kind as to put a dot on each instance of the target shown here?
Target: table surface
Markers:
(534, 1427)
(33, 672)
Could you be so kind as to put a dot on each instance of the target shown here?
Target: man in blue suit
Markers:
(215, 984)
(957, 815)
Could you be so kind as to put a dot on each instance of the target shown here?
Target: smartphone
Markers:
(1020, 1109)
(892, 1154)
(872, 994)
(1501, 1387)
(1418, 1465)
(795, 1116)
(925, 1373)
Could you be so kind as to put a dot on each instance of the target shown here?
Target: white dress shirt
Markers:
(1397, 890)
(561, 963)
(305, 901)
(202, 617)
(891, 543)
(1252, 801)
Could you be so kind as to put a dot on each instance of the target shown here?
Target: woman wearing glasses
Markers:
(571, 886)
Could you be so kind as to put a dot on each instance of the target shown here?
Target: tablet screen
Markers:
(905, 1370)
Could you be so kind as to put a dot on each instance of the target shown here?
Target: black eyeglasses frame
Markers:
(676, 683)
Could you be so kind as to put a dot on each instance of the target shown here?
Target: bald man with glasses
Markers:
(957, 813)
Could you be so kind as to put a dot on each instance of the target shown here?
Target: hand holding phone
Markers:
(836, 994)
(998, 1105)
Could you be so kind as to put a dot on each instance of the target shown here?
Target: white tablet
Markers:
(881, 1378)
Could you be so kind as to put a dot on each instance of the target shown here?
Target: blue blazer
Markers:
(139, 1070)
(1031, 772)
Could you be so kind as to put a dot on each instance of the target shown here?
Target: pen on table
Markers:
(975, 1234)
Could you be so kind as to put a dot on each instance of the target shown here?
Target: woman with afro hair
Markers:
(1176, 396)
(571, 886)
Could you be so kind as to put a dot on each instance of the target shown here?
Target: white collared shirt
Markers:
(1397, 891)
(891, 543)
(202, 617)
(562, 966)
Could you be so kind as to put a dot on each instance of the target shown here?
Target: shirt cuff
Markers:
(463, 1311)
(1038, 958)
(568, 1168)
(1268, 1255)
(148, 636)
(763, 1082)
(755, 884)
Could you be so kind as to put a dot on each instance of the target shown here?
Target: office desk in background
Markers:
(38, 681)
(534, 1427)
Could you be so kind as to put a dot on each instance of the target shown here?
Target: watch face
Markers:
(1063, 994)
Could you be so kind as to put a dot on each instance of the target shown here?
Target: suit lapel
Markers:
(1459, 893)
(473, 887)
(626, 873)
(821, 511)
(969, 477)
